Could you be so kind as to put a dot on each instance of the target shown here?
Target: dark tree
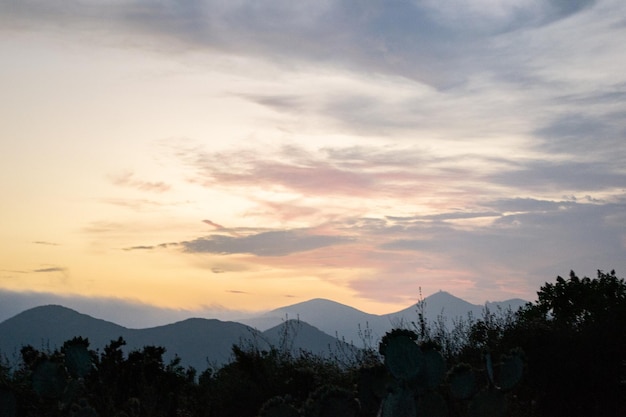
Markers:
(574, 336)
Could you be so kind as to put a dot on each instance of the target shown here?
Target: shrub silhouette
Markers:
(563, 355)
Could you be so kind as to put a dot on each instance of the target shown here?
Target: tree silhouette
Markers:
(575, 339)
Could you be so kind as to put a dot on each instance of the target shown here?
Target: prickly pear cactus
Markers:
(400, 402)
(510, 371)
(372, 388)
(432, 405)
(403, 357)
(462, 381)
(433, 369)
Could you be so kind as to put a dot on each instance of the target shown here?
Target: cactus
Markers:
(433, 368)
(510, 370)
(462, 381)
(372, 382)
(402, 355)
(417, 371)
(400, 402)
(491, 401)
(432, 405)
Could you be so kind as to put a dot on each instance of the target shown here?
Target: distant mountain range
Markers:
(348, 323)
(310, 326)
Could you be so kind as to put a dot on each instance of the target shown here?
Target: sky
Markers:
(220, 156)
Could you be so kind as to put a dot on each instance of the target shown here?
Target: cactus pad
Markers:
(403, 357)
(462, 382)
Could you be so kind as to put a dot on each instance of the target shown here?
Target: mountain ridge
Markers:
(203, 342)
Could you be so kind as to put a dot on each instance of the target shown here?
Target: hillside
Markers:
(198, 342)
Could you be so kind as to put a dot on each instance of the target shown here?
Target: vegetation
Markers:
(563, 355)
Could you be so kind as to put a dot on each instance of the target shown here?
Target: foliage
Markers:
(574, 338)
(563, 355)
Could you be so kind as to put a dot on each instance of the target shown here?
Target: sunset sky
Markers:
(215, 155)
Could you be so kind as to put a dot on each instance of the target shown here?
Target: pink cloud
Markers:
(363, 173)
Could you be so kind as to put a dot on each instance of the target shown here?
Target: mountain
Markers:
(328, 316)
(198, 342)
(353, 325)
(50, 326)
(207, 342)
(295, 336)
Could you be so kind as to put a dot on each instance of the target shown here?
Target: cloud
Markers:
(426, 40)
(559, 176)
(215, 225)
(42, 242)
(50, 269)
(541, 238)
(238, 292)
(127, 180)
(358, 172)
(126, 312)
(272, 243)
(139, 247)
(152, 247)
(585, 133)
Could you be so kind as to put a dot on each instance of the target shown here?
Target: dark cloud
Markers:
(556, 176)
(274, 243)
(140, 247)
(527, 205)
(152, 247)
(542, 238)
(586, 134)
(415, 39)
(460, 215)
(213, 224)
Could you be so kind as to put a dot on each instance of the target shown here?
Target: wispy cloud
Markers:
(127, 180)
(272, 243)
(377, 146)
(415, 39)
(50, 269)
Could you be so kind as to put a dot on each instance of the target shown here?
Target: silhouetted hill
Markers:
(51, 325)
(295, 336)
(330, 317)
(203, 342)
(350, 324)
(198, 342)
